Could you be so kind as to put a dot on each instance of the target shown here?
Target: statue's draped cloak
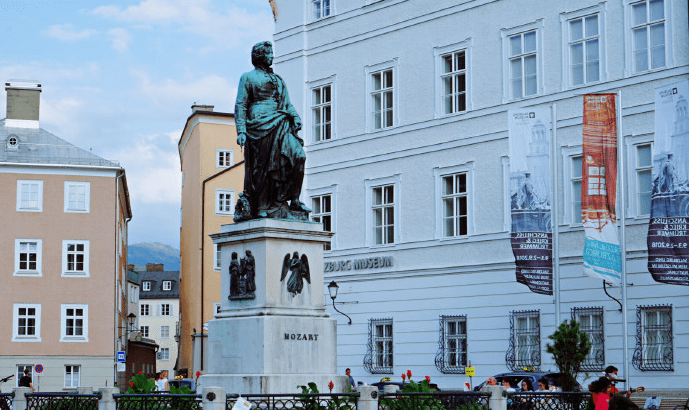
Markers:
(273, 155)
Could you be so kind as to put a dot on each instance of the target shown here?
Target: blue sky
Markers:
(119, 78)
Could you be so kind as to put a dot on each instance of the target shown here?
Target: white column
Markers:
(20, 401)
(368, 397)
(107, 402)
(213, 398)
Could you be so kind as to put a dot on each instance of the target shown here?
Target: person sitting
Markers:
(491, 381)
(600, 393)
(526, 385)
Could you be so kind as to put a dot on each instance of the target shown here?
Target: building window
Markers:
(378, 357)
(146, 286)
(454, 82)
(321, 8)
(29, 196)
(321, 111)
(525, 340)
(75, 258)
(77, 197)
(452, 355)
(12, 143)
(381, 85)
(648, 35)
(383, 209)
(322, 213)
(164, 331)
(591, 322)
(167, 285)
(20, 372)
(75, 323)
(643, 166)
(163, 354)
(654, 350)
(584, 50)
(523, 64)
(165, 309)
(27, 323)
(224, 200)
(455, 205)
(27, 257)
(145, 309)
(225, 158)
(72, 376)
(217, 257)
(573, 180)
(145, 330)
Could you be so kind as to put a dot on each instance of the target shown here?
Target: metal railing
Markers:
(548, 401)
(6, 401)
(158, 401)
(305, 401)
(444, 400)
(62, 401)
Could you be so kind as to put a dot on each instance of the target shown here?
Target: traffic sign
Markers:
(470, 371)
(121, 357)
(38, 368)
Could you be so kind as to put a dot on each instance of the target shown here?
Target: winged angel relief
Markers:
(300, 271)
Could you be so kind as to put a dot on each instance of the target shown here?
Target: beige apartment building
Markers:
(63, 252)
(212, 177)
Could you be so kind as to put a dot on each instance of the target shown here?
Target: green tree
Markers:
(569, 349)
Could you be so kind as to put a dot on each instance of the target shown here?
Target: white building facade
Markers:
(404, 105)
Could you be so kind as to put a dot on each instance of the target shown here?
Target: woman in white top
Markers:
(162, 382)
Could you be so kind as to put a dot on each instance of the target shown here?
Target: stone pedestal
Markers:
(277, 340)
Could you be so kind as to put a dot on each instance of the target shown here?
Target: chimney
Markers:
(23, 103)
(154, 267)
(130, 266)
(201, 107)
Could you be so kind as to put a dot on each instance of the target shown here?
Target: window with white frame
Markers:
(525, 340)
(643, 167)
(379, 358)
(72, 376)
(383, 210)
(572, 180)
(145, 309)
(27, 257)
(454, 197)
(164, 353)
(146, 286)
(164, 331)
(523, 63)
(321, 112)
(453, 78)
(145, 330)
(648, 26)
(591, 322)
(322, 213)
(20, 372)
(224, 158)
(217, 257)
(381, 103)
(321, 8)
(584, 49)
(77, 197)
(167, 285)
(224, 202)
(75, 323)
(29, 196)
(164, 309)
(26, 322)
(452, 357)
(75, 258)
(654, 350)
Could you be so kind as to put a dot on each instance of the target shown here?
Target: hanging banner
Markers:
(602, 257)
(668, 236)
(532, 235)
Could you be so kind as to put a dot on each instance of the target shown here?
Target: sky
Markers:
(119, 78)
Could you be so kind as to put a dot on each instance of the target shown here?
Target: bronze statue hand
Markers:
(241, 139)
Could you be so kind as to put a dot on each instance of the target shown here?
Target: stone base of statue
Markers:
(282, 338)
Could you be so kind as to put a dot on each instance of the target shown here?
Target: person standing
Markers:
(25, 380)
(352, 383)
(162, 383)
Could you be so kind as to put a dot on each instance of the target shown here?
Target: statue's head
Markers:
(262, 54)
(248, 253)
(234, 255)
(295, 255)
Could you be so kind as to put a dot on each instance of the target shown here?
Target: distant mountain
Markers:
(142, 253)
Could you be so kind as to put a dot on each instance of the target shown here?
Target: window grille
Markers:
(525, 341)
(378, 357)
(452, 353)
(591, 322)
(654, 350)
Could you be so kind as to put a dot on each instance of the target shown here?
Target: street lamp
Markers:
(332, 289)
(131, 319)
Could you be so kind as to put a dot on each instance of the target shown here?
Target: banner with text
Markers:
(532, 235)
(668, 236)
(602, 258)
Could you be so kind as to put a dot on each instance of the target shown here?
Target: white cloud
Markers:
(67, 32)
(120, 38)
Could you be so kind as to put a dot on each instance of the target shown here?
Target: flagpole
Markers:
(554, 214)
(621, 169)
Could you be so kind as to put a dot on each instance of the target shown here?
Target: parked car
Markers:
(515, 379)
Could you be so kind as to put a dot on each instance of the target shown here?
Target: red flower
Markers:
(198, 374)
(428, 378)
(131, 384)
(141, 372)
(331, 385)
(404, 376)
(409, 374)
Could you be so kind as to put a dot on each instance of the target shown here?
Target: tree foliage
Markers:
(569, 349)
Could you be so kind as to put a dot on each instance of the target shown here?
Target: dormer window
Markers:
(167, 285)
(147, 285)
(13, 143)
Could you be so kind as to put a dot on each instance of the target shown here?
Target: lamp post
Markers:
(332, 289)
